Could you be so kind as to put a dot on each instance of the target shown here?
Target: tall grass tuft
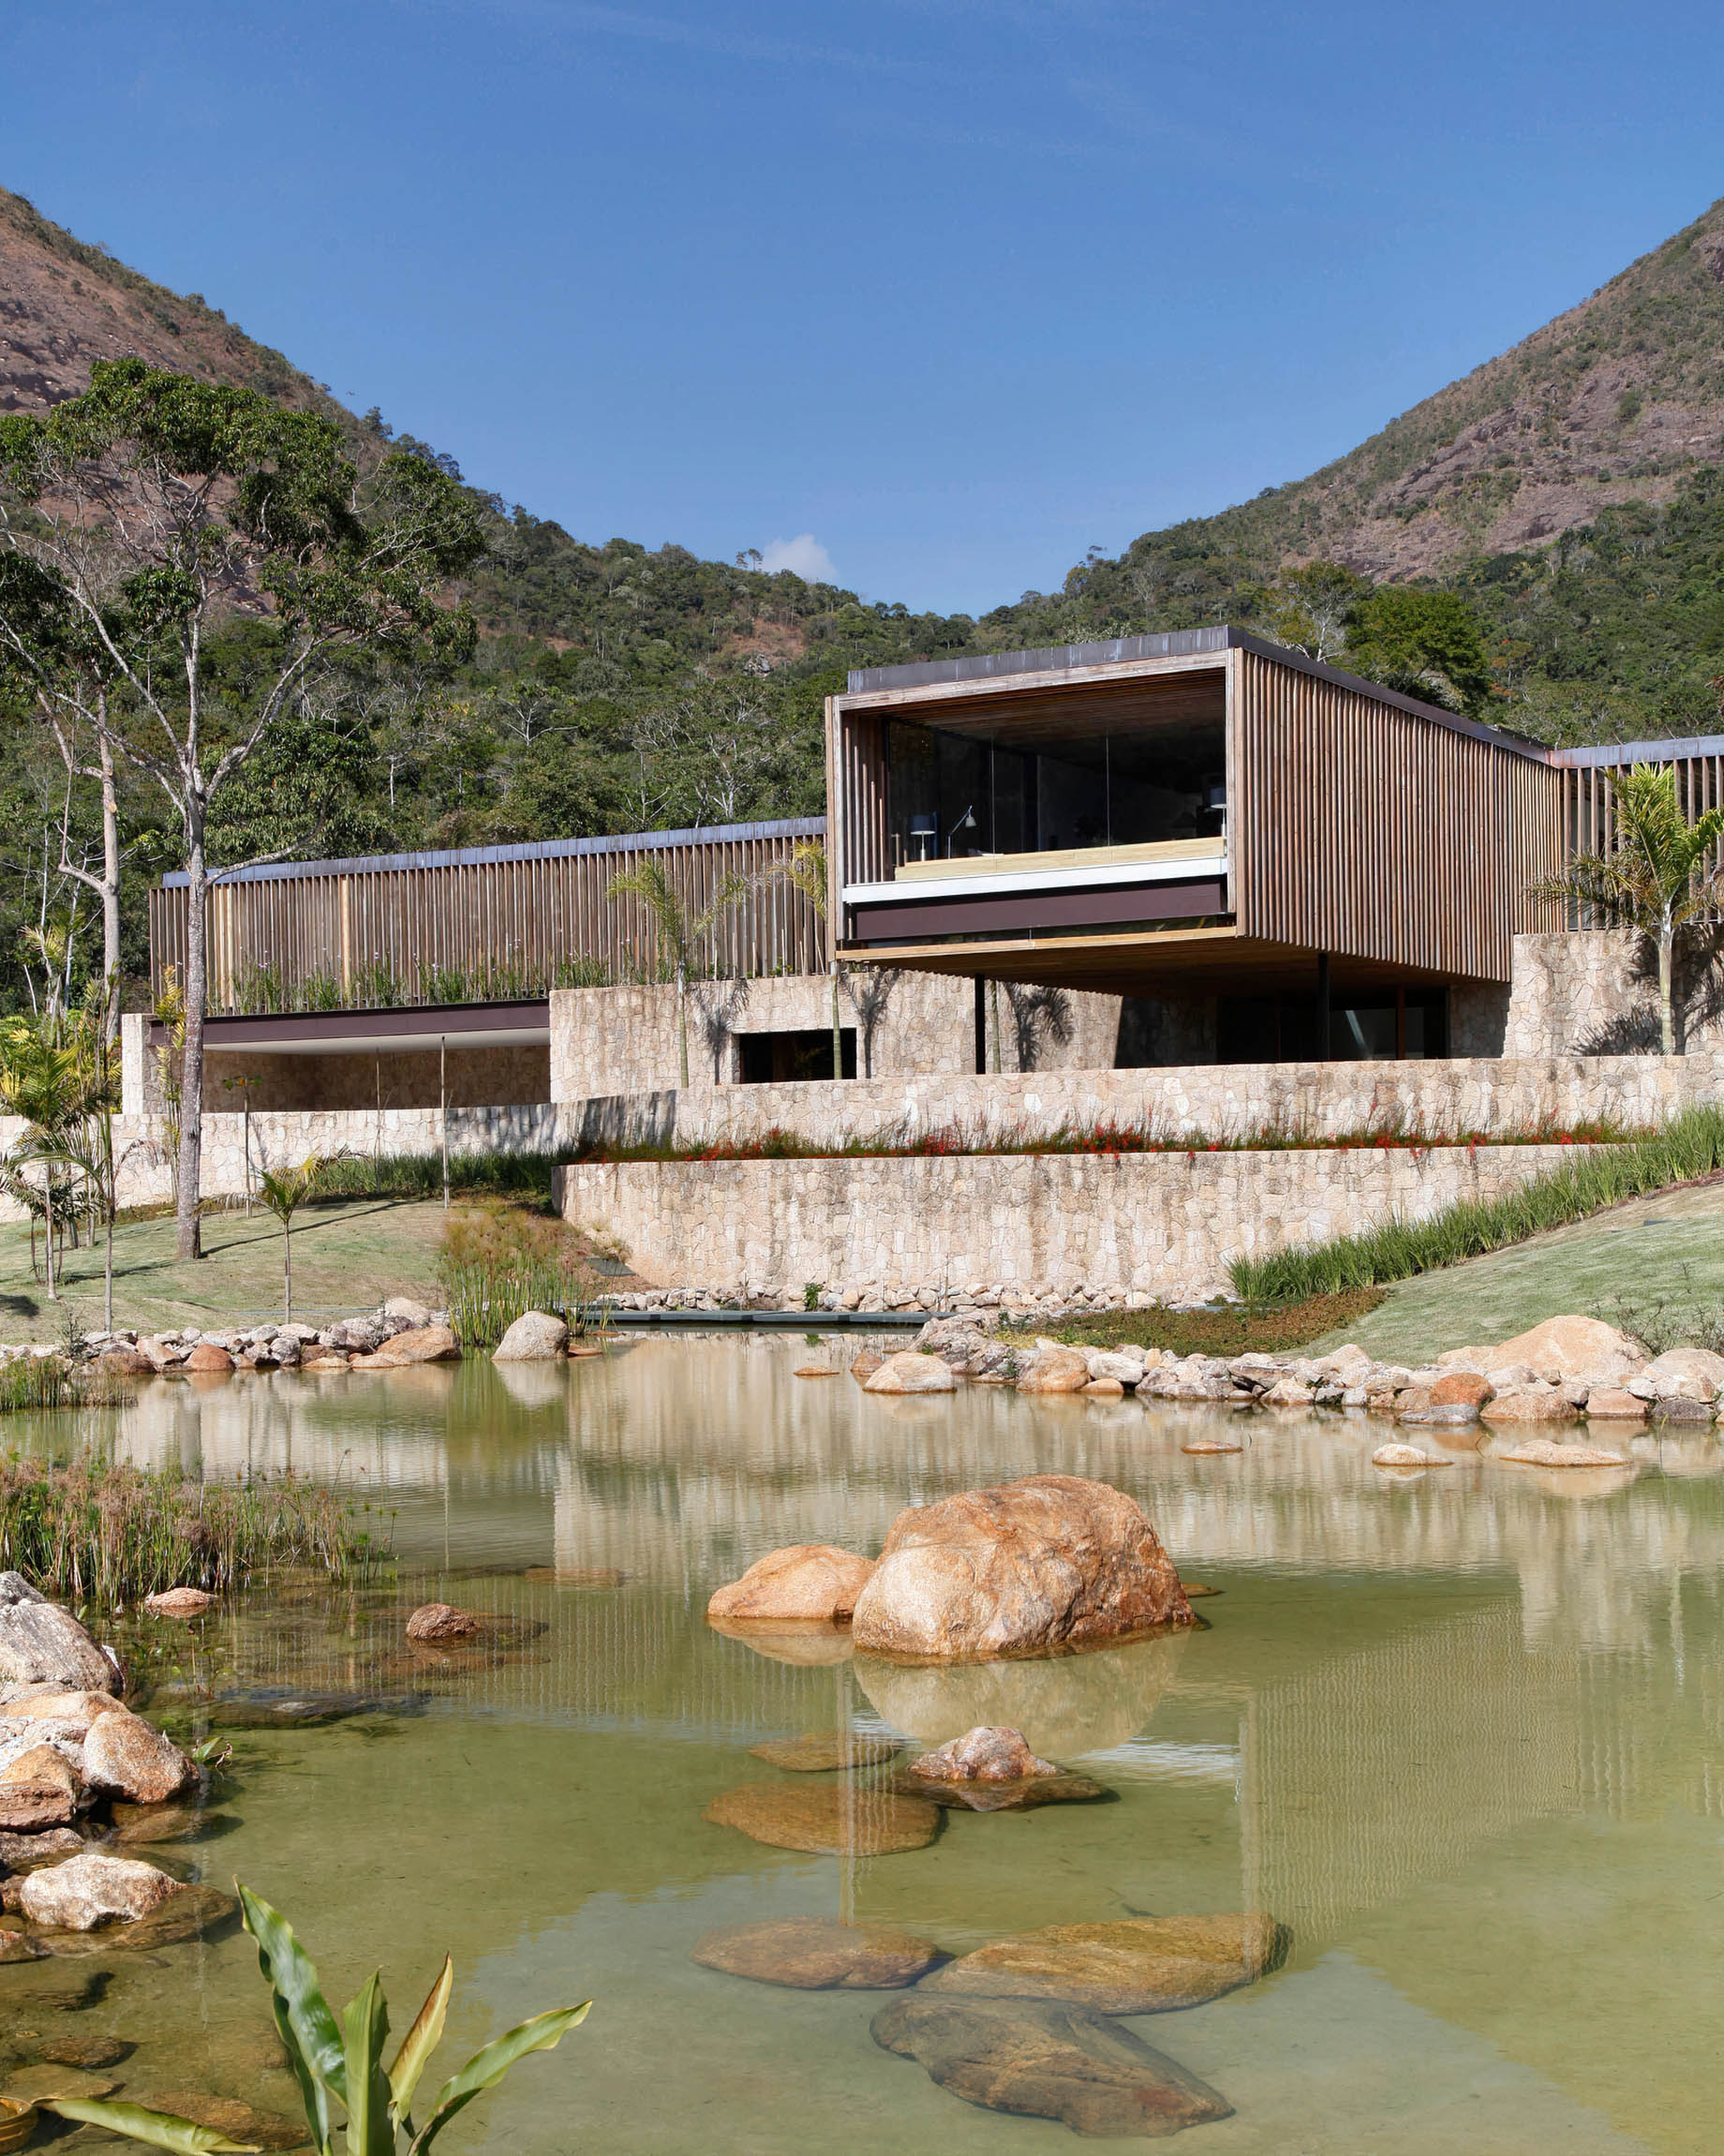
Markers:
(102, 1532)
(496, 1266)
(1689, 1146)
(32, 1384)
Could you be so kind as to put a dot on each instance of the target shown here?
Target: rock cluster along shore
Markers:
(401, 1333)
(81, 1779)
(1561, 1371)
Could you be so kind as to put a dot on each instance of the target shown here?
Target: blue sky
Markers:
(950, 292)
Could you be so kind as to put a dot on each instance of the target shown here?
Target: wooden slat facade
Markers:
(504, 919)
(1588, 812)
(1363, 830)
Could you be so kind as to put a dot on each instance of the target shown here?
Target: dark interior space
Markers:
(787, 1057)
(1126, 772)
(1381, 1025)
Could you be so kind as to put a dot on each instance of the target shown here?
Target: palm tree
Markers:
(806, 872)
(1651, 878)
(283, 1190)
(39, 1084)
(678, 931)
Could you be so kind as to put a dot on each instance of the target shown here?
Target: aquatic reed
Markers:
(32, 1384)
(497, 1265)
(103, 1532)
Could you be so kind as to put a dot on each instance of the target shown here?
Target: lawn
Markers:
(1667, 1247)
(349, 1254)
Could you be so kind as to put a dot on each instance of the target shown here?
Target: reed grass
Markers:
(497, 1265)
(102, 1532)
(33, 1383)
(1689, 1146)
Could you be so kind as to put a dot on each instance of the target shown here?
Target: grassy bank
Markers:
(1654, 1265)
(1683, 1151)
(349, 1254)
(1240, 1328)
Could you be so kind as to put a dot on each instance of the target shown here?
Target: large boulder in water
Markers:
(40, 1644)
(536, 1337)
(809, 1581)
(1042, 1566)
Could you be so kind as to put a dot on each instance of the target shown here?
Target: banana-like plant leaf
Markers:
(418, 2045)
(302, 2017)
(486, 2068)
(158, 2129)
(371, 2130)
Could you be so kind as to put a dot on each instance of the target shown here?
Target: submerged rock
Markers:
(818, 1954)
(1547, 1452)
(1140, 1965)
(86, 2051)
(821, 1750)
(1406, 1456)
(272, 1708)
(1026, 1796)
(443, 1621)
(42, 1643)
(242, 2123)
(1045, 1565)
(48, 2083)
(87, 1891)
(1042, 2060)
(24, 1850)
(1201, 1446)
(802, 1646)
(179, 1603)
(987, 1754)
(826, 1818)
(190, 1911)
(808, 1582)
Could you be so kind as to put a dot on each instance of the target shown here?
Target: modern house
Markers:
(1202, 847)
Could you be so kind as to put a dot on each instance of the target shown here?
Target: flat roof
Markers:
(400, 1027)
(541, 850)
(1000, 668)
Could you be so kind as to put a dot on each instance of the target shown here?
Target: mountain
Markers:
(64, 305)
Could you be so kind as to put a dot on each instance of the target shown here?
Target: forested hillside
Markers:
(1542, 543)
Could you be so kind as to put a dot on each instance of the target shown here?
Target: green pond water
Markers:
(1464, 1736)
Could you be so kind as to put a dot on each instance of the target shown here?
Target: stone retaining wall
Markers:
(1219, 1101)
(1133, 1228)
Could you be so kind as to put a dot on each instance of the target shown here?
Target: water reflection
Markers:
(1465, 1734)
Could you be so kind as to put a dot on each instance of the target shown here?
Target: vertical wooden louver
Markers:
(506, 916)
(1367, 831)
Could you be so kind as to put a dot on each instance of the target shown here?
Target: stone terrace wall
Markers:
(1217, 1101)
(1143, 1228)
(624, 1040)
(1590, 992)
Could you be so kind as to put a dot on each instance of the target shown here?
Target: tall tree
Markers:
(134, 520)
(1654, 878)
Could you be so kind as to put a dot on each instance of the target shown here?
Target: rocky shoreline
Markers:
(1561, 1372)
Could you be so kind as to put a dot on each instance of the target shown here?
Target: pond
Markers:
(1462, 1736)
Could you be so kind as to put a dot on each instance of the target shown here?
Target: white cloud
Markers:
(805, 555)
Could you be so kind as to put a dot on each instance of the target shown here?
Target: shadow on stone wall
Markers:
(627, 1119)
(1699, 1001)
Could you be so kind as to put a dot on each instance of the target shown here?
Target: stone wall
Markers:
(1206, 1101)
(1596, 993)
(624, 1040)
(1142, 1227)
